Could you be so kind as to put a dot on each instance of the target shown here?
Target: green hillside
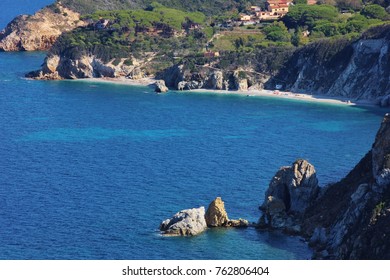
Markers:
(209, 7)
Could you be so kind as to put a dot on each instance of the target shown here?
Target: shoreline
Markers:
(149, 82)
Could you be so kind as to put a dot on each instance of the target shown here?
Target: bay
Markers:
(89, 170)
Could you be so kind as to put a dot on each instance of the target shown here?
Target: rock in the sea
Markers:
(237, 223)
(216, 215)
(186, 223)
(297, 186)
(291, 191)
(160, 86)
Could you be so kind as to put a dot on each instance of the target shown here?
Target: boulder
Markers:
(216, 215)
(160, 86)
(187, 222)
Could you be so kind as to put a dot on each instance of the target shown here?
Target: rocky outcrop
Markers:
(205, 77)
(347, 220)
(351, 220)
(296, 186)
(291, 191)
(216, 216)
(87, 66)
(381, 154)
(160, 86)
(187, 222)
(356, 70)
(39, 31)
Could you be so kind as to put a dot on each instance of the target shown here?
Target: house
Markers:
(244, 17)
(275, 9)
(255, 9)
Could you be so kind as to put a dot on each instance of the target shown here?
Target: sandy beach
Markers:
(249, 93)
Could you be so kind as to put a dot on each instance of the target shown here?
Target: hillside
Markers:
(356, 69)
(209, 7)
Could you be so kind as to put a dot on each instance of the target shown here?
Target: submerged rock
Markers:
(187, 222)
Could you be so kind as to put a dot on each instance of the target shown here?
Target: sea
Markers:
(89, 170)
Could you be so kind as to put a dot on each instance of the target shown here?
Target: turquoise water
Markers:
(89, 170)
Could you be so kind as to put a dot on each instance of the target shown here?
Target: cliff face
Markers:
(39, 31)
(207, 77)
(351, 219)
(357, 70)
(57, 67)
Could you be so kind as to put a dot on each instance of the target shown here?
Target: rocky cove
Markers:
(337, 68)
(345, 220)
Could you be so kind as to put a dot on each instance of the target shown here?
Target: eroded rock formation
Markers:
(216, 216)
(39, 31)
(291, 191)
(160, 86)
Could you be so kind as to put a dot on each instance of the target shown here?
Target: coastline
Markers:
(149, 82)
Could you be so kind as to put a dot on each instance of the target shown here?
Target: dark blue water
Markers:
(89, 170)
(12, 8)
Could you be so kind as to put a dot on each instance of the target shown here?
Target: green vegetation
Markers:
(184, 33)
(325, 21)
(208, 7)
(113, 35)
(375, 12)
(277, 32)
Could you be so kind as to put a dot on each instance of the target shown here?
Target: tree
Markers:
(304, 15)
(277, 32)
(349, 4)
(374, 11)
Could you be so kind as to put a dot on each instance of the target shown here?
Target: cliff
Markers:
(357, 69)
(39, 31)
(349, 219)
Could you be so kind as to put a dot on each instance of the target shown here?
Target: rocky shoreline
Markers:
(346, 220)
